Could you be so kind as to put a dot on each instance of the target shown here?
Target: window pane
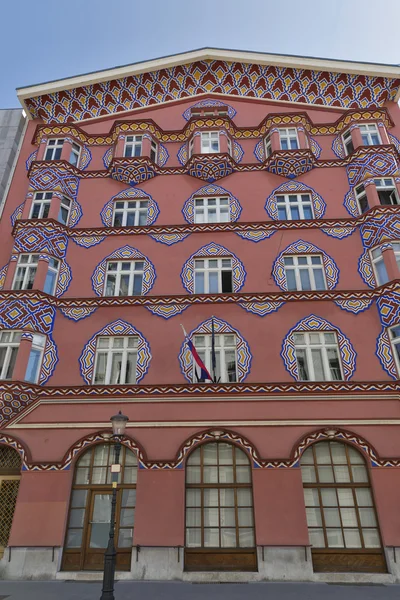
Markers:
(329, 497)
(32, 370)
(78, 498)
(211, 538)
(193, 475)
(319, 374)
(311, 497)
(294, 213)
(360, 474)
(323, 454)
(210, 497)
(367, 517)
(342, 474)
(349, 517)
(364, 497)
(319, 279)
(213, 282)
(371, 538)
(345, 497)
(199, 283)
(325, 474)
(82, 476)
(76, 517)
(332, 517)
(338, 453)
(125, 538)
(291, 280)
(335, 538)
(352, 538)
(314, 518)
(74, 538)
(228, 538)
(246, 538)
(243, 474)
(128, 498)
(193, 538)
(244, 497)
(317, 538)
(226, 474)
(227, 517)
(127, 517)
(308, 474)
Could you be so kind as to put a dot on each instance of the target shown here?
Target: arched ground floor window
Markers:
(10, 475)
(90, 510)
(219, 510)
(341, 516)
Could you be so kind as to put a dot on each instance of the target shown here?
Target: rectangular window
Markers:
(124, 278)
(361, 197)
(348, 143)
(288, 138)
(379, 266)
(317, 356)
(304, 273)
(268, 147)
(133, 145)
(394, 334)
(209, 142)
(387, 191)
(370, 134)
(153, 151)
(52, 276)
(213, 276)
(65, 209)
(54, 149)
(294, 207)
(41, 205)
(35, 358)
(211, 210)
(9, 344)
(191, 147)
(225, 356)
(396, 250)
(75, 154)
(115, 360)
(25, 272)
(130, 213)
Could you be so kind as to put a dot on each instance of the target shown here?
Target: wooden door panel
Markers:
(348, 562)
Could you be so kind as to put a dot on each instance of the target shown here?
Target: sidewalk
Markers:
(65, 590)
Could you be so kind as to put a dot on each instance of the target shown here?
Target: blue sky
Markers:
(43, 40)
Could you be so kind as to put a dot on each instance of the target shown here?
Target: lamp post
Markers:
(118, 423)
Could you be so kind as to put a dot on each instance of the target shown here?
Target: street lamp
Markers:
(118, 423)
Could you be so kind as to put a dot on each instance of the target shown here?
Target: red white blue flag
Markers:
(204, 374)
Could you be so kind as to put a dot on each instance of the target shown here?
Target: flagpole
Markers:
(213, 357)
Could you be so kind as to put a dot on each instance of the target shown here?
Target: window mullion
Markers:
(109, 355)
(122, 377)
(310, 362)
(325, 363)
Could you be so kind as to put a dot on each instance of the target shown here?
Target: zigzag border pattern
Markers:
(124, 253)
(153, 210)
(319, 204)
(211, 190)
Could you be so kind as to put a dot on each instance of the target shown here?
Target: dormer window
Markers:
(370, 134)
(53, 149)
(75, 154)
(210, 111)
(133, 146)
(288, 138)
(209, 142)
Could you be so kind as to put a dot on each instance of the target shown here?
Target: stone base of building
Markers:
(277, 563)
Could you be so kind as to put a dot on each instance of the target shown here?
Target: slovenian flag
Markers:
(204, 374)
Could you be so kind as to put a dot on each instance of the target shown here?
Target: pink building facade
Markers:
(253, 195)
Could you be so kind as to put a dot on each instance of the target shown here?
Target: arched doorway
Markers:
(341, 516)
(220, 532)
(10, 475)
(90, 510)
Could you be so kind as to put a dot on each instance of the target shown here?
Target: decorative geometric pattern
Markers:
(385, 354)
(11, 404)
(132, 171)
(118, 327)
(26, 313)
(130, 194)
(261, 308)
(354, 305)
(17, 214)
(338, 148)
(210, 167)
(166, 311)
(169, 238)
(389, 308)
(211, 190)
(371, 165)
(107, 158)
(338, 232)
(255, 236)
(162, 155)
(366, 270)
(8, 499)
(213, 250)
(291, 163)
(259, 151)
(207, 76)
(243, 353)
(295, 187)
(3, 273)
(76, 313)
(30, 159)
(46, 239)
(183, 154)
(393, 140)
(87, 241)
(238, 152)
(350, 203)
(302, 247)
(380, 227)
(64, 278)
(314, 323)
(48, 177)
(208, 103)
(124, 253)
(50, 359)
(75, 213)
(86, 157)
(315, 148)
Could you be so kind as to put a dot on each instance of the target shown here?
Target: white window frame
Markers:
(229, 145)
(35, 357)
(53, 145)
(153, 149)
(76, 151)
(381, 183)
(394, 342)
(131, 207)
(369, 129)
(299, 204)
(376, 257)
(41, 199)
(209, 136)
(205, 206)
(53, 267)
(9, 345)
(133, 141)
(221, 349)
(191, 147)
(207, 269)
(346, 137)
(309, 267)
(66, 204)
(359, 195)
(323, 346)
(109, 351)
(133, 271)
(286, 133)
(27, 266)
(267, 146)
